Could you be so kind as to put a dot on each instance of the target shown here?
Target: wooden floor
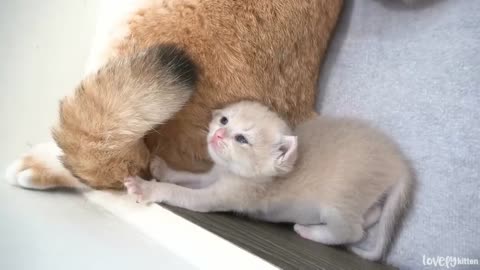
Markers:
(277, 243)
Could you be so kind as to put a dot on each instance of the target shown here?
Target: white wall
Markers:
(43, 50)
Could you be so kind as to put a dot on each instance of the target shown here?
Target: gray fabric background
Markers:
(415, 72)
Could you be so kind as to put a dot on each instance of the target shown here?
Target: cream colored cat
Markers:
(333, 191)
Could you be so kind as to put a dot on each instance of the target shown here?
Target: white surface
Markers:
(44, 45)
(60, 230)
(191, 242)
(43, 48)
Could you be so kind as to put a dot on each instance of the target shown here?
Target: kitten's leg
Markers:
(40, 168)
(372, 216)
(160, 171)
(200, 200)
(337, 230)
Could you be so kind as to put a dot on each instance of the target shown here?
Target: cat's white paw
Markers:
(26, 179)
(22, 175)
(301, 230)
(140, 188)
(12, 171)
(317, 233)
(40, 168)
(329, 234)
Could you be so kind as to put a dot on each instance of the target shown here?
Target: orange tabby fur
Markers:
(262, 50)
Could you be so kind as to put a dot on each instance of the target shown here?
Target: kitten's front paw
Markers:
(158, 168)
(140, 188)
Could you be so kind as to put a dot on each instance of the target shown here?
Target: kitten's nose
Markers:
(219, 134)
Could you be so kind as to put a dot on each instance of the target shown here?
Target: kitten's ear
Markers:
(288, 150)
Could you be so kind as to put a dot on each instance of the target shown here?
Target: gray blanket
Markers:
(415, 72)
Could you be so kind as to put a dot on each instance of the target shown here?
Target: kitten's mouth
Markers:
(216, 151)
(216, 145)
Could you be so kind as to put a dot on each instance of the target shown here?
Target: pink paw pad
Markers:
(132, 185)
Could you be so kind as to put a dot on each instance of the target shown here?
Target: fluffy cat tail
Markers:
(102, 125)
(395, 204)
(128, 97)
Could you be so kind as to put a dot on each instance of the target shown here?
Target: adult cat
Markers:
(261, 50)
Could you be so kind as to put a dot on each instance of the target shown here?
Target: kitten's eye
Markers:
(224, 120)
(241, 139)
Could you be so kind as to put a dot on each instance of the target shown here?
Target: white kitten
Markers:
(333, 192)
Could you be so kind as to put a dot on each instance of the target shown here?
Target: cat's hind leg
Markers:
(41, 168)
(372, 216)
(337, 229)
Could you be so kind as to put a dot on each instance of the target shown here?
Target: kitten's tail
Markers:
(128, 97)
(395, 204)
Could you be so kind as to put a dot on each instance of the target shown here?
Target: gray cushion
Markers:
(415, 72)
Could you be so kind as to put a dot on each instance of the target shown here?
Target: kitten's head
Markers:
(251, 141)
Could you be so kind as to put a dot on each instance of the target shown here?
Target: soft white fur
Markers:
(12, 171)
(47, 154)
(112, 27)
